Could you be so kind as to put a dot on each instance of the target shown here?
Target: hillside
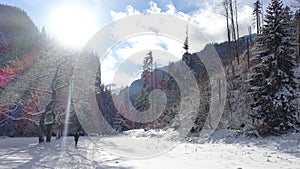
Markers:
(160, 78)
(18, 34)
(29, 61)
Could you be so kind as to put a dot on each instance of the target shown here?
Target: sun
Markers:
(72, 25)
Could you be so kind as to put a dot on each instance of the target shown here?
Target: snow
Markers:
(225, 149)
(165, 134)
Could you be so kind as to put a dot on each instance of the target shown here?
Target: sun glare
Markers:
(72, 25)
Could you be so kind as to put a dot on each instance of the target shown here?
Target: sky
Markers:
(74, 22)
(103, 12)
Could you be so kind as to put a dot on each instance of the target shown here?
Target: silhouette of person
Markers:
(76, 137)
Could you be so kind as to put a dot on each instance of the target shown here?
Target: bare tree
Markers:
(249, 41)
(225, 5)
(40, 93)
(233, 29)
(237, 30)
(51, 115)
(56, 76)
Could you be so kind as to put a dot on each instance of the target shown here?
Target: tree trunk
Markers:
(250, 35)
(248, 53)
(233, 30)
(59, 131)
(257, 23)
(41, 129)
(41, 134)
(237, 32)
(49, 133)
(228, 33)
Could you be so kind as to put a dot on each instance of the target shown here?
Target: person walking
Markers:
(76, 137)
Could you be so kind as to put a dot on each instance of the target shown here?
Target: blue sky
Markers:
(39, 9)
(74, 22)
(102, 11)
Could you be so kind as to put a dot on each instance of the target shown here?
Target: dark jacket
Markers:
(76, 136)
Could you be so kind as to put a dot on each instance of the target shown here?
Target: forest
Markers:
(262, 80)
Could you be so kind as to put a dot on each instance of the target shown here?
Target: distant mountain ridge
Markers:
(160, 78)
(193, 61)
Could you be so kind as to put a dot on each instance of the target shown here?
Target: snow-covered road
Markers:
(271, 153)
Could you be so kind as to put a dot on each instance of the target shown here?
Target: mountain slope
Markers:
(18, 34)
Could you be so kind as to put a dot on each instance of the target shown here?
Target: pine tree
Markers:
(142, 101)
(257, 12)
(272, 81)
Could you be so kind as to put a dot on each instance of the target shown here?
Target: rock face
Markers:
(161, 79)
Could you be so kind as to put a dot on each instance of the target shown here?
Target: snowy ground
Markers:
(129, 151)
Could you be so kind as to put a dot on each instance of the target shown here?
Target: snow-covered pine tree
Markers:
(119, 124)
(272, 81)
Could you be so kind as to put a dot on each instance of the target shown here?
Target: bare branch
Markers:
(33, 114)
(18, 118)
(41, 90)
(63, 86)
(3, 121)
(36, 103)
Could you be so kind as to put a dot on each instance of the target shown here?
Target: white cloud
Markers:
(153, 8)
(147, 42)
(131, 56)
(207, 19)
(171, 9)
(211, 23)
(129, 11)
(117, 15)
(245, 19)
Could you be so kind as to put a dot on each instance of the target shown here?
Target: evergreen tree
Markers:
(142, 101)
(272, 81)
(257, 13)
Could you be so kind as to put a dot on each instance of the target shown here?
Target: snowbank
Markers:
(225, 149)
(166, 134)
